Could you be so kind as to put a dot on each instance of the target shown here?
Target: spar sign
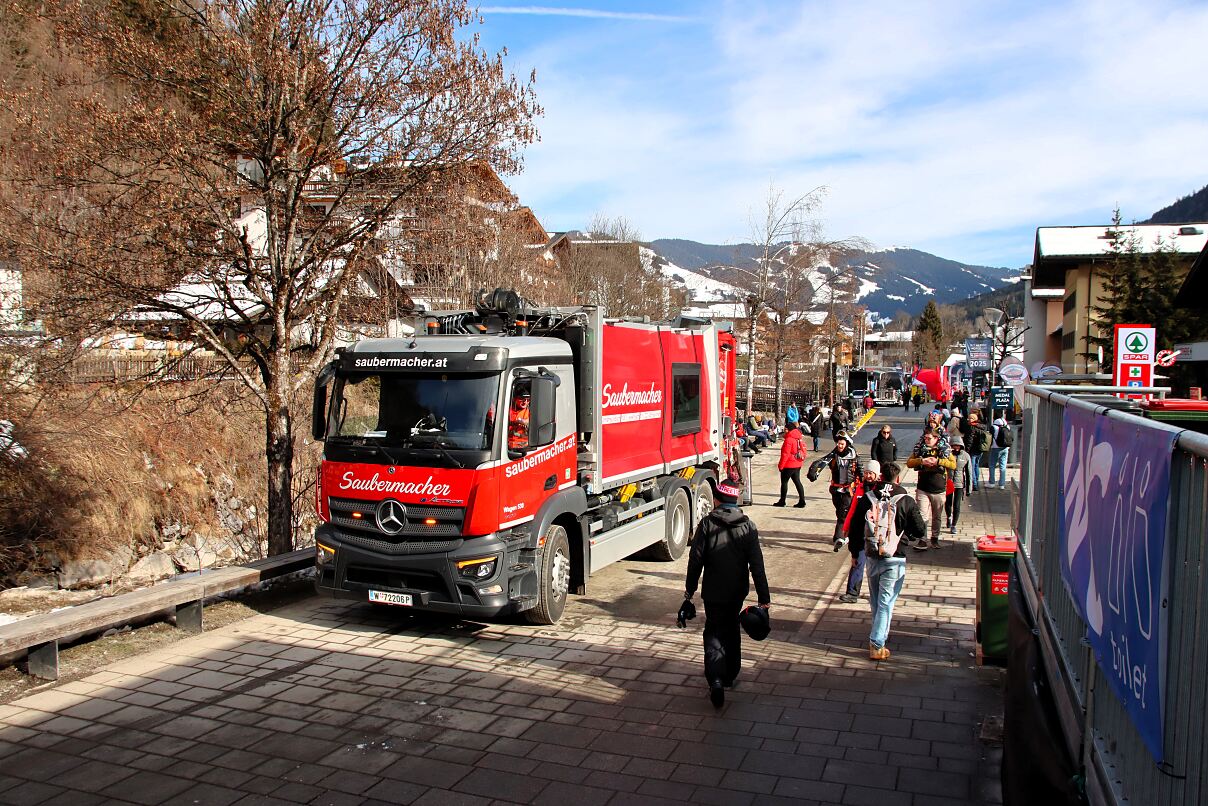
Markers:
(1135, 350)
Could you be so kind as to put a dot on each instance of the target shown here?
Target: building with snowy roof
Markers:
(1066, 285)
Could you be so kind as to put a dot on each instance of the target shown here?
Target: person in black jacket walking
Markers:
(845, 470)
(814, 423)
(884, 446)
(726, 547)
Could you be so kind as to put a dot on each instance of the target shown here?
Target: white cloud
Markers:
(944, 127)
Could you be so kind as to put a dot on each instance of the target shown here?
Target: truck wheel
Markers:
(554, 581)
(679, 528)
(702, 501)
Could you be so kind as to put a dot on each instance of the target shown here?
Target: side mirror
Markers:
(318, 408)
(541, 426)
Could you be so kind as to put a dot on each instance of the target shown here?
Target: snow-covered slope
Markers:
(701, 288)
(889, 280)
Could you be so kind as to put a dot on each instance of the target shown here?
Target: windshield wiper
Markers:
(376, 447)
(438, 447)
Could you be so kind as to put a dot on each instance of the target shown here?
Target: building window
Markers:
(1067, 341)
(1070, 302)
(685, 399)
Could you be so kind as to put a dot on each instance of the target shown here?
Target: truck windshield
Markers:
(419, 410)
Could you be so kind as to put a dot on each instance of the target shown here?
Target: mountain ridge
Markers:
(890, 280)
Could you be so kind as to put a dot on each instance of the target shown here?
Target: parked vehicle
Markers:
(492, 464)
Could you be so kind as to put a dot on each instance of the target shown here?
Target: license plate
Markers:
(386, 597)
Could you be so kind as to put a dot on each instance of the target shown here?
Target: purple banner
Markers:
(1114, 498)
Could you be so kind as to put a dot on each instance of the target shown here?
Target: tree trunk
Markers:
(779, 386)
(751, 355)
(279, 451)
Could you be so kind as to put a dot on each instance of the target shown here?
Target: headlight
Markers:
(324, 554)
(483, 568)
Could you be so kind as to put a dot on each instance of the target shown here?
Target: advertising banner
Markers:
(979, 354)
(1013, 372)
(1114, 501)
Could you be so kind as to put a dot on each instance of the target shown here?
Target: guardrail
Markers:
(39, 636)
(1097, 730)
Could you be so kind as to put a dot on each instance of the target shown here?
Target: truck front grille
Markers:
(359, 516)
(398, 544)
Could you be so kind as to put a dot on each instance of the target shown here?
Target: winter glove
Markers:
(687, 612)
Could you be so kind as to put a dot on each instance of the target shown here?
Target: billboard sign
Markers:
(979, 354)
(1136, 350)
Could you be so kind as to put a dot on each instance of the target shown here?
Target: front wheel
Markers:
(554, 581)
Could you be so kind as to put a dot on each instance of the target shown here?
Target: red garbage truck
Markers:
(493, 461)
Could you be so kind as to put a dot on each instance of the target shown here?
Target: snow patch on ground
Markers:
(924, 288)
(895, 297)
(700, 288)
(866, 287)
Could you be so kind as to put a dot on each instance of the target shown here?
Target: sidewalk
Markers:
(335, 703)
(916, 723)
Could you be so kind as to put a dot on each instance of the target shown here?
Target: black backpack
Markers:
(1006, 437)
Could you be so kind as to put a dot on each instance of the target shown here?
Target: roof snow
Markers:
(1097, 240)
(890, 336)
(717, 310)
(925, 289)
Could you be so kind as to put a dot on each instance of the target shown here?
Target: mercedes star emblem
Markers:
(391, 516)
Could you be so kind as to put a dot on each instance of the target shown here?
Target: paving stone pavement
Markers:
(334, 703)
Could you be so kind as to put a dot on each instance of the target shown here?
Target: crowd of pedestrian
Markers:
(876, 518)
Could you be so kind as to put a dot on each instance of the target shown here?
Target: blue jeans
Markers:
(855, 575)
(815, 443)
(975, 469)
(885, 578)
(998, 459)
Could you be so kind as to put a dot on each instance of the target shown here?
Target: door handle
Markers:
(551, 482)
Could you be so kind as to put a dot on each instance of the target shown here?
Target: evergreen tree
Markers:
(1119, 302)
(929, 340)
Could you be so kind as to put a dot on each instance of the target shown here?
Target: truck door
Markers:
(536, 464)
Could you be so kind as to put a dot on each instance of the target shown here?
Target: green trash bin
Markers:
(994, 555)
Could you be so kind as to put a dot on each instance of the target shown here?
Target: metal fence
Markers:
(1099, 734)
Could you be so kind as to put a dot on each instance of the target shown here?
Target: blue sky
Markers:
(956, 128)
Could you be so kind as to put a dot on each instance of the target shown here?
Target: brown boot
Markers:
(878, 654)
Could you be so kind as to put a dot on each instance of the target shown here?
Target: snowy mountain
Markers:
(890, 280)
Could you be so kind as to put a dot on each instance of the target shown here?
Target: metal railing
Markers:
(1098, 731)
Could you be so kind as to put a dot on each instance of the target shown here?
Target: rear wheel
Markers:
(554, 578)
(702, 501)
(679, 528)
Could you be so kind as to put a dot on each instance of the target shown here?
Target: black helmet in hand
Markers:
(687, 612)
(756, 622)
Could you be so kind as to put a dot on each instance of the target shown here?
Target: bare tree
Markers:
(241, 166)
(778, 225)
(609, 266)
